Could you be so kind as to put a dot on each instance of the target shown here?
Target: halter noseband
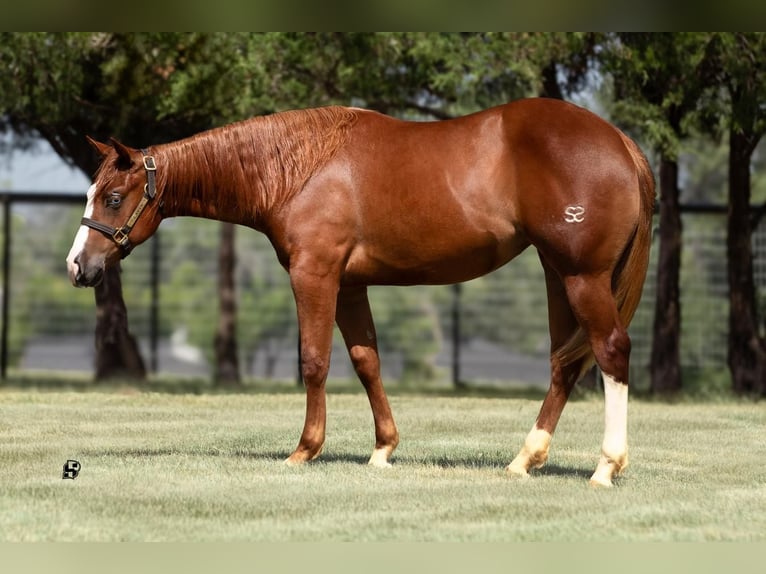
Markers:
(120, 234)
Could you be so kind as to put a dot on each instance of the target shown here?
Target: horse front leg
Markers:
(315, 298)
(354, 319)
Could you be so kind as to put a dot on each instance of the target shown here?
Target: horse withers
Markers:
(351, 198)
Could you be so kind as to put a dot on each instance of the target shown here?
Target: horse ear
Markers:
(101, 148)
(124, 153)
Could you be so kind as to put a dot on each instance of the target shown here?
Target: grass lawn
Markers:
(186, 467)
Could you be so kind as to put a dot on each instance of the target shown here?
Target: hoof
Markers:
(600, 482)
(607, 469)
(379, 458)
(301, 457)
(516, 471)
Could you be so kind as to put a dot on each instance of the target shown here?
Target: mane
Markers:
(249, 167)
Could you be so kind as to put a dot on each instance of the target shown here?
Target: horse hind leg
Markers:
(354, 319)
(562, 325)
(583, 302)
(595, 308)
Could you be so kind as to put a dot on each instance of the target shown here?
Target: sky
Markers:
(40, 170)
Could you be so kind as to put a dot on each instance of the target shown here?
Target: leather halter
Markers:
(120, 234)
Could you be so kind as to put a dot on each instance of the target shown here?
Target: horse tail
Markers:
(630, 272)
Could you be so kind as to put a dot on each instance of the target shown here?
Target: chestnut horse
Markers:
(351, 198)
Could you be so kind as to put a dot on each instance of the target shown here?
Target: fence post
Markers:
(456, 291)
(154, 309)
(6, 284)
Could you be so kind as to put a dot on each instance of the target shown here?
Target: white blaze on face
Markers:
(81, 237)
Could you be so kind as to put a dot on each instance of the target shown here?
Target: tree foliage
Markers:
(658, 81)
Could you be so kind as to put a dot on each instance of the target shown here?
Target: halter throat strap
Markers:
(120, 234)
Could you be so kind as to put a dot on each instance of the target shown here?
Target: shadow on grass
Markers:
(324, 458)
(563, 471)
(479, 463)
(445, 462)
(136, 452)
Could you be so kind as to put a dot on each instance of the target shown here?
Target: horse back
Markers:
(440, 202)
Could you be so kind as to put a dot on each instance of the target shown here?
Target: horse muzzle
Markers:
(84, 275)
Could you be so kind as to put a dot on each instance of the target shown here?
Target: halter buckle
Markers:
(149, 164)
(120, 237)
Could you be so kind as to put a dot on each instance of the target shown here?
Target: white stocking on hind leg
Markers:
(593, 306)
(614, 449)
(596, 311)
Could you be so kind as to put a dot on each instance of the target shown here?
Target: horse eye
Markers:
(114, 200)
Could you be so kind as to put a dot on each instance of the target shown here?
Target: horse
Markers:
(350, 198)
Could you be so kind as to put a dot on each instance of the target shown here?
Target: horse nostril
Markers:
(75, 271)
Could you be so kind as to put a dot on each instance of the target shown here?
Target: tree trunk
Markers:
(227, 365)
(550, 83)
(117, 354)
(747, 348)
(665, 362)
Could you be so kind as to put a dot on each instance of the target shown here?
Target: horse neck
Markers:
(243, 172)
(206, 176)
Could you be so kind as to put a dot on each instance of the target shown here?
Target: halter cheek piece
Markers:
(120, 234)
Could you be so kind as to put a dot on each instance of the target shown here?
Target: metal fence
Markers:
(490, 330)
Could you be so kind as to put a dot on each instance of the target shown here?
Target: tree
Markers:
(227, 362)
(117, 354)
(658, 81)
(62, 87)
(40, 73)
(742, 74)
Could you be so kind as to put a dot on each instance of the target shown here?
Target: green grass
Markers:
(185, 467)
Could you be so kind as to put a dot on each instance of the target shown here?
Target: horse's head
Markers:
(122, 212)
